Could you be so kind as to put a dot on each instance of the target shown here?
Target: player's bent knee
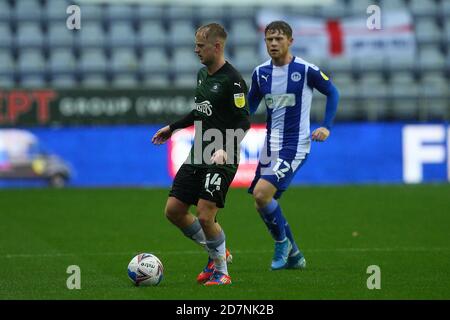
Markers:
(206, 214)
(205, 220)
(174, 211)
(262, 198)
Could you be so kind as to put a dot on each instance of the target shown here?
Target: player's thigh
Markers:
(206, 211)
(215, 185)
(264, 191)
(176, 207)
(281, 172)
(186, 185)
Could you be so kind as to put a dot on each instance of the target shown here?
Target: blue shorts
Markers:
(279, 172)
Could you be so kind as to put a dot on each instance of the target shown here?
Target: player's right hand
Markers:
(162, 135)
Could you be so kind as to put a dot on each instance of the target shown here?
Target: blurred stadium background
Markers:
(79, 107)
(132, 62)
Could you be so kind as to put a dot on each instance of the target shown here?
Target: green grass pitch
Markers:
(342, 230)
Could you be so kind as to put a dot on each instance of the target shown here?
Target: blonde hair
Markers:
(213, 31)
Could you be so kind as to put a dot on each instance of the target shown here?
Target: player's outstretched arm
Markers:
(162, 135)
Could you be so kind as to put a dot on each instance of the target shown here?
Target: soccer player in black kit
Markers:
(221, 120)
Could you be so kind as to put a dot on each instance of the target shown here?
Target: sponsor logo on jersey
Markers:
(276, 101)
(324, 76)
(239, 100)
(204, 107)
(296, 76)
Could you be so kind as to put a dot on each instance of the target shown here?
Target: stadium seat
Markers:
(154, 60)
(306, 10)
(423, 7)
(31, 61)
(391, 5)
(244, 33)
(244, 59)
(427, 30)
(445, 8)
(63, 81)
(336, 9)
(5, 11)
(372, 63)
(33, 81)
(121, 34)
(27, 10)
(434, 97)
(59, 36)
(244, 12)
(5, 36)
(179, 13)
(156, 81)
(182, 34)
(125, 81)
(446, 33)
(55, 10)
(348, 91)
(29, 34)
(359, 7)
(151, 33)
(92, 61)
(7, 64)
(6, 82)
(94, 81)
(401, 62)
(185, 61)
(123, 61)
(91, 34)
(431, 58)
(61, 61)
(146, 12)
(404, 92)
(340, 63)
(116, 12)
(187, 81)
(374, 90)
(91, 12)
(214, 13)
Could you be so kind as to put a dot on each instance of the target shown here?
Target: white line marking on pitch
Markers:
(200, 252)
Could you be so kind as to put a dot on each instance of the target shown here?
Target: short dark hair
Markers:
(281, 26)
(213, 30)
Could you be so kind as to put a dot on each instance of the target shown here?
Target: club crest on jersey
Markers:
(296, 76)
(239, 100)
(204, 107)
(215, 87)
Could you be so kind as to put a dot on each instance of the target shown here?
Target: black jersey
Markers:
(220, 106)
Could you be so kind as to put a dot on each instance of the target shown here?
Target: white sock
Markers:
(195, 232)
(217, 251)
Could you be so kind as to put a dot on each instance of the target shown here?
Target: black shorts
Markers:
(192, 183)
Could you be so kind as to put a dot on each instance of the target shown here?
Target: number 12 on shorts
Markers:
(216, 180)
(280, 172)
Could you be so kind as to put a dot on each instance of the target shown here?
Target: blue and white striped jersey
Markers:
(287, 92)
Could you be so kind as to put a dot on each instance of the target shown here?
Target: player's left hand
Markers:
(320, 134)
(219, 157)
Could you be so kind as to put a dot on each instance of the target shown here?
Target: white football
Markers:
(145, 269)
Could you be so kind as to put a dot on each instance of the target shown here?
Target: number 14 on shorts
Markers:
(215, 181)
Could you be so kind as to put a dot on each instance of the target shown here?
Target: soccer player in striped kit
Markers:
(286, 84)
